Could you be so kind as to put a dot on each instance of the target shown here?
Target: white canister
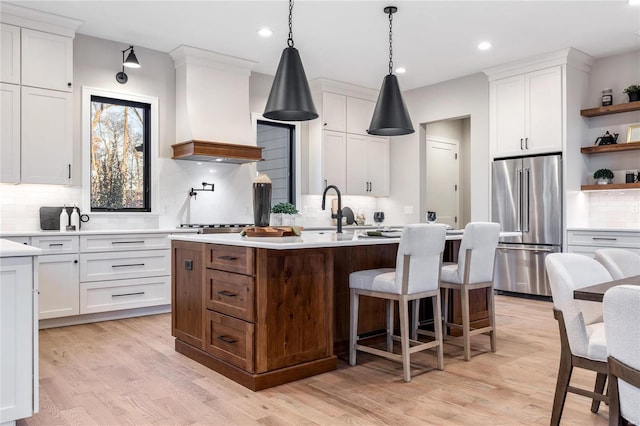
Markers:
(64, 219)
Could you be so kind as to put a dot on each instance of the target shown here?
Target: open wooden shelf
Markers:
(610, 148)
(610, 186)
(612, 109)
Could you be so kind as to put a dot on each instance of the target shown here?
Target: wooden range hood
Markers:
(195, 150)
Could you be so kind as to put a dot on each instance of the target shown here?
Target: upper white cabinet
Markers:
(367, 165)
(334, 109)
(10, 133)
(359, 113)
(47, 60)
(10, 59)
(526, 113)
(334, 159)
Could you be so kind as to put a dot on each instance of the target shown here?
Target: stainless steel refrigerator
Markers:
(527, 199)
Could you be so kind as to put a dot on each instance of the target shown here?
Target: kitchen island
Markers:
(267, 311)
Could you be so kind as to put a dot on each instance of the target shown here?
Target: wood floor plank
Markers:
(127, 372)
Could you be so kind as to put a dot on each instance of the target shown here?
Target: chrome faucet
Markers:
(338, 214)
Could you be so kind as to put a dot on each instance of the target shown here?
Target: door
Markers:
(508, 116)
(10, 133)
(505, 191)
(544, 111)
(334, 109)
(334, 159)
(442, 180)
(47, 60)
(542, 200)
(378, 166)
(10, 60)
(359, 113)
(357, 153)
(59, 286)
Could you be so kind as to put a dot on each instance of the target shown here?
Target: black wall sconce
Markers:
(130, 62)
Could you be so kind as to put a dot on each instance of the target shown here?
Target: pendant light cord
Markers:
(390, 42)
(290, 39)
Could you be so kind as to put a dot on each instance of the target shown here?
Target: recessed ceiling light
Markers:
(401, 70)
(265, 32)
(634, 2)
(485, 45)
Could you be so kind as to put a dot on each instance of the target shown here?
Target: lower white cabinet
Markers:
(18, 365)
(588, 241)
(368, 165)
(102, 296)
(124, 265)
(58, 276)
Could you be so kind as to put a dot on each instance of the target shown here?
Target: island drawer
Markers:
(103, 296)
(230, 258)
(230, 339)
(123, 242)
(231, 294)
(124, 265)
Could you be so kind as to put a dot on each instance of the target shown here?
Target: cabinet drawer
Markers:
(96, 243)
(102, 296)
(56, 245)
(230, 339)
(19, 240)
(231, 294)
(229, 258)
(591, 250)
(605, 239)
(124, 264)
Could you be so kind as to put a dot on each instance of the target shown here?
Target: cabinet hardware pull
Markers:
(68, 84)
(604, 239)
(227, 258)
(69, 171)
(520, 143)
(526, 143)
(75, 261)
(127, 242)
(226, 293)
(325, 183)
(131, 264)
(56, 245)
(128, 294)
(226, 339)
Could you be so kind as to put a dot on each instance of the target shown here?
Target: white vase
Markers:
(288, 219)
(275, 219)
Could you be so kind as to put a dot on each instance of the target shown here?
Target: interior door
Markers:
(442, 180)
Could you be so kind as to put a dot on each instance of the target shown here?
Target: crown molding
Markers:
(34, 19)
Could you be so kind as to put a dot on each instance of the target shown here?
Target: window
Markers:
(278, 141)
(120, 166)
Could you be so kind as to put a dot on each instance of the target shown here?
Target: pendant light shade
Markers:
(290, 96)
(390, 117)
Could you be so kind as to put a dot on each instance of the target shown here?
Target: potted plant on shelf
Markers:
(283, 214)
(634, 92)
(603, 176)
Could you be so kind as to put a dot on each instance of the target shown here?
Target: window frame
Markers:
(293, 199)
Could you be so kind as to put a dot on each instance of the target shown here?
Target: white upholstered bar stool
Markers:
(476, 259)
(582, 336)
(416, 276)
(621, 308)
(620, 263)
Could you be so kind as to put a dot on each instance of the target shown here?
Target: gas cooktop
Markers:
(215, 228)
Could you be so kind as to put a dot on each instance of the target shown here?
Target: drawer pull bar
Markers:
(127, 242)
(604, 239)
(128, 294)
(227, 339)
(227, 258)
(131, 264)
(55, 244)
(226, 293)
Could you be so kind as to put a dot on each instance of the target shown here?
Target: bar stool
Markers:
(416, 276)
(476, 260)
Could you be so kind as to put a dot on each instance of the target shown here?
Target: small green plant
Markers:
(603, 174)
(634, 88)
(286, 208)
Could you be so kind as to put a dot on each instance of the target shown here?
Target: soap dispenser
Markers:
(64, 219)
(75, 218)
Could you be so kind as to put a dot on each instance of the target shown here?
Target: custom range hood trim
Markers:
(195, 150)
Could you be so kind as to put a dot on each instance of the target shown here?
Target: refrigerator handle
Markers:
(518, 200)
(526, 200)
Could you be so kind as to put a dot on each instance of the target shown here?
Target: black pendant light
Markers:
(390, 117)
(290, 97)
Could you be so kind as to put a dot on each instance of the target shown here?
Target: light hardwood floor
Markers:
(126, 372)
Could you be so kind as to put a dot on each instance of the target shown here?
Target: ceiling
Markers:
(348, 40)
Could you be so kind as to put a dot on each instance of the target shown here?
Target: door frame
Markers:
(446, 140)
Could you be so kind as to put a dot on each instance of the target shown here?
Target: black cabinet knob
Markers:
(68, 84)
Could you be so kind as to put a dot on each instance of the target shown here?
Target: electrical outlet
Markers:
(408, 209)
(634, 207)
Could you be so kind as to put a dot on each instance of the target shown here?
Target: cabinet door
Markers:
(359, 113)
(507, 123)
(9, 132)
(357, 157)
(59, 286)
(334, 111)
(378, 166)
(544, 111)
(16, 339)
(187, 292)
(47, 60)
(10, 60)
(334, 159)
(46, 136)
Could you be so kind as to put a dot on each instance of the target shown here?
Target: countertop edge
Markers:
(10, 248)
(588, 229)
(96, 232)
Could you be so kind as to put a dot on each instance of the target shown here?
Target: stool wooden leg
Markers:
(564, 376)
(492, 318)
(353, 329)
(437, 328)
(601, 379)
(404, 338)
(414, 319)
(466, 322)
(446, 310)
(390, 315)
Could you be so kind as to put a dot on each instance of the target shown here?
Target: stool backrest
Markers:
(420, 248)
(620, 263)
(568, 272)
(482, 239)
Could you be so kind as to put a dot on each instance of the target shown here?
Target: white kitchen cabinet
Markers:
(103, 296)
(102, 243)
(57, 244)
(46, 136)
(368, 165)
(526, 113)
(10, 54)
(18, 364)
(359, 113)
(334, 160)
(333, 112)
(586, 242)
(59, 286)
(124, 265)
(9, 132)
(47, 60)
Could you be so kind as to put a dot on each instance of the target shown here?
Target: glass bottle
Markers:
(607, 97)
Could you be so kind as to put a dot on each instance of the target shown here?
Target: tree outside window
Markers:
(120, 166)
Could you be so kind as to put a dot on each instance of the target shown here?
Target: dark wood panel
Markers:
(598, 149)
(196, 150)
(595, 293)
(611, 109)
(231, 294)
(230, 339)
(231, 258)
(187, 292)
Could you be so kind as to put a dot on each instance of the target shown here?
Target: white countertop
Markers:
(97, 232)
(13, 249)
(605, 229)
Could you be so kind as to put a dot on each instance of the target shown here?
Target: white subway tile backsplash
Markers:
(614, 209)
